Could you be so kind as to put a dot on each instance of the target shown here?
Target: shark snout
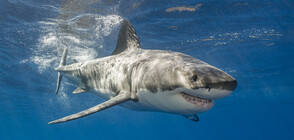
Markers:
(220, 89)
(227, 85)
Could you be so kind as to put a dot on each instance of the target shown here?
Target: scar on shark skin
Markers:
(184, 8)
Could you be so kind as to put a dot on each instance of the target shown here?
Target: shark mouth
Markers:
(196, 100)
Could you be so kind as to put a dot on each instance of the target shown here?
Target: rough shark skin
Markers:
(147, 80)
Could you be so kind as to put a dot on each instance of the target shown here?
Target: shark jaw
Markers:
(201, 104)
(197, 100)
(203, 97)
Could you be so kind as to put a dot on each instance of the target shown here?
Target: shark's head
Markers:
(182, 84)
(203, 80)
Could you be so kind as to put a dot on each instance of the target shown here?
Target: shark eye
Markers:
(194, 77)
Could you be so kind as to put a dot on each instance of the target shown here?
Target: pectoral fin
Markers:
(120, 98)
(79, 90)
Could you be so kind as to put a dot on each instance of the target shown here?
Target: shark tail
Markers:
(62, 63)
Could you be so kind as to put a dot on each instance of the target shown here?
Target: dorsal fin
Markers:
(127, 38)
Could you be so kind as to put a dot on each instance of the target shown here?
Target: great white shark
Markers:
(146, 80)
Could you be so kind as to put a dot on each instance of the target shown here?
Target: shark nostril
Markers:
(208, 86)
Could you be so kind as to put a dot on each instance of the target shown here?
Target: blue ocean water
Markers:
(251, 40)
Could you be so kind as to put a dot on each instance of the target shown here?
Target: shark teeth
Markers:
(195, 100)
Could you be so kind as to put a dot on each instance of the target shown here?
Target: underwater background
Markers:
(252, 40)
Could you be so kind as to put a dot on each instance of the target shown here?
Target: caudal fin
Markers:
(62, 63)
